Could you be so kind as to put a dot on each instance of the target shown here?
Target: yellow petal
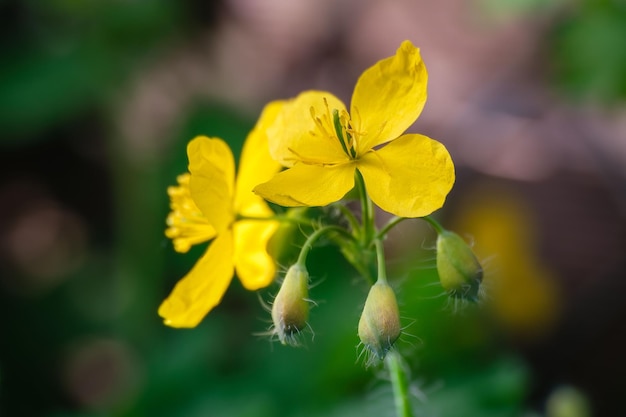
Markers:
(212, 170)
(409, 177)
(308, 185)
(304, 131)
(255, 268)
(256, 165)
(388, 97)
(203, 287)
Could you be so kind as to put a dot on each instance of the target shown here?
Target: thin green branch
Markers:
(308, 244)
(434, 223)
(380, 259)
(354, 224)
(399, 384)
(390, 225)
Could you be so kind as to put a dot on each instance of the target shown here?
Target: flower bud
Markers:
(290, 310)
(379, 326)
(460, 272)
(567, 401)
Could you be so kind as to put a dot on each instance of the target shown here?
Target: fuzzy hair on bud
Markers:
(290, 310)
(379, 325)
(459, 270)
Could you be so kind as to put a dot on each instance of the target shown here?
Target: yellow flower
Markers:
(408, 175)
(210, 203)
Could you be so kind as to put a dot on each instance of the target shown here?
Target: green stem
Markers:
(308, 245)
(399, 384)
(354, 224)
(380, 259)
(390, 225)
(434, 223)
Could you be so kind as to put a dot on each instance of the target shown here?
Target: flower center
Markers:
(187, 226)
(336, 125)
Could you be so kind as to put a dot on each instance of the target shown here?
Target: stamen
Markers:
(328, 126)
(355, 130)
(321, 126)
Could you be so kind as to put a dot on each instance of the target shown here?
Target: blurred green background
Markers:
(98, 100)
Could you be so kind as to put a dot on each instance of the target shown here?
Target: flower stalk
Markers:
(308, 244)
(400, 385)
(434, 223)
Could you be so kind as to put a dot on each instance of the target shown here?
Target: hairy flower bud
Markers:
(379, 326)
(290, 310)
(460, 272)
